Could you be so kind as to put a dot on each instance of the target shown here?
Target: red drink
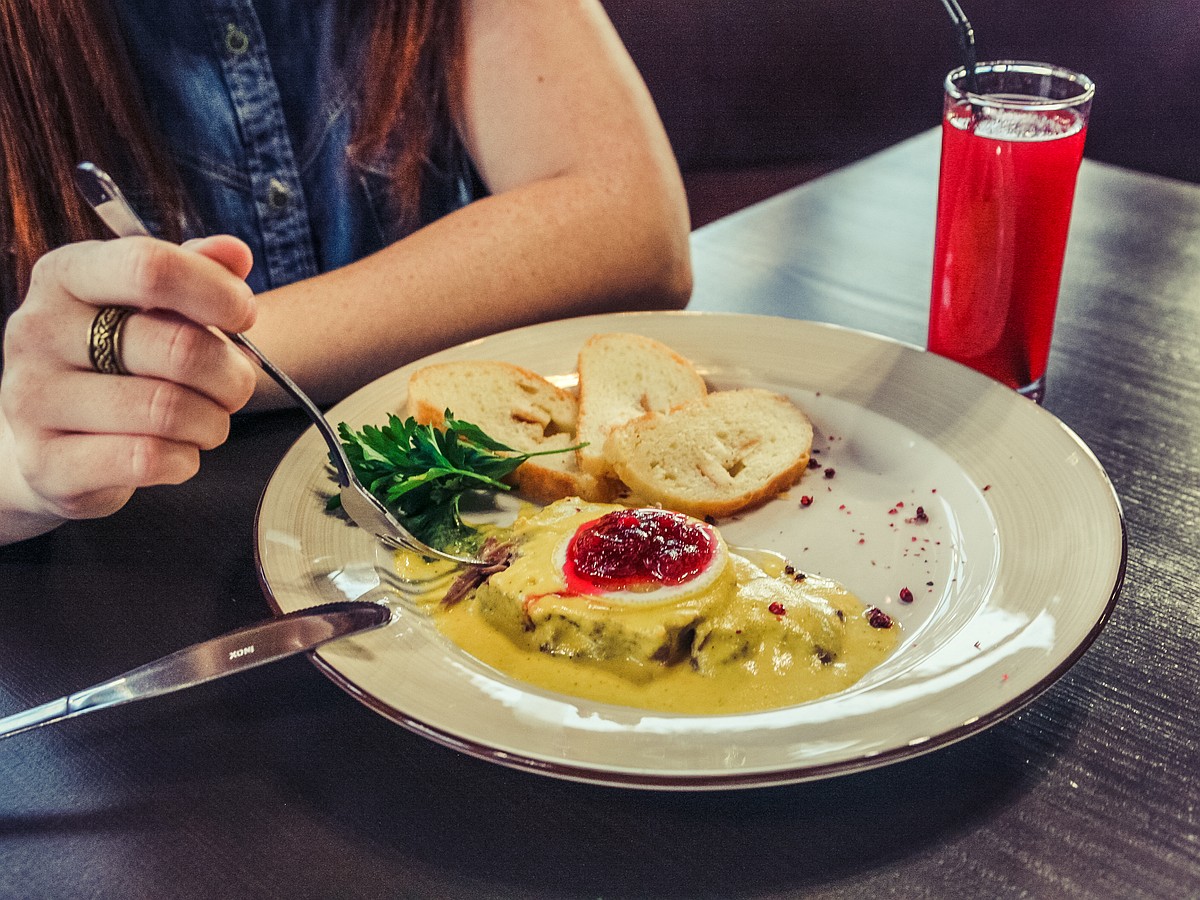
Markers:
(1004, 206)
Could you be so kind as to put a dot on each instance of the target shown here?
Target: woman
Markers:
(402, 176)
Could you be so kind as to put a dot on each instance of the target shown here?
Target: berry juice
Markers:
(1004, 205)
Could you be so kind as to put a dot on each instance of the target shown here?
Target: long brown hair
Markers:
(67, 93)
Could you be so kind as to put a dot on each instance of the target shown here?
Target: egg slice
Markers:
(630, 618)
(641, 557)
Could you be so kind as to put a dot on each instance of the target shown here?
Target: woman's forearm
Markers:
(587, 211)
(565, 246)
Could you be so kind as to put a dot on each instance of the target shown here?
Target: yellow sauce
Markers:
(715, 646)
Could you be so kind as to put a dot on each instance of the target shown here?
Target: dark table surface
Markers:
(277, 784)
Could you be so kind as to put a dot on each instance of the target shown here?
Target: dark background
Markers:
(758, 95)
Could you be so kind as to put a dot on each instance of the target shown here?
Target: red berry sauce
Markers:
(637, 549)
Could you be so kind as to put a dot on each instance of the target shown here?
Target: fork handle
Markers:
(337, 454)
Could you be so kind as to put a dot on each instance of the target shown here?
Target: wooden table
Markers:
(277, 784)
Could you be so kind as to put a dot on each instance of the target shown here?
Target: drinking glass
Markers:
(1010, 155)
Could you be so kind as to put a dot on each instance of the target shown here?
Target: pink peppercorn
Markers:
(877, 618)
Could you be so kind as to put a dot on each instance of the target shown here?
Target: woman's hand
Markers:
(75, 443)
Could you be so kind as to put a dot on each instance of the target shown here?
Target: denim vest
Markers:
(256, 111)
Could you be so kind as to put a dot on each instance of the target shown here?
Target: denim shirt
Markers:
(256, 112)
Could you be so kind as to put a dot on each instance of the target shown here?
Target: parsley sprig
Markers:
(421, 472)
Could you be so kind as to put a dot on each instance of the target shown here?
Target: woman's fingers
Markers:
(86, 476)
(230, 252)
(165, 346)
(83, 403)
(157, 344)
(146, 273)
(175, 292)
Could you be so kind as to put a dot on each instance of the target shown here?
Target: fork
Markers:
(363, 507)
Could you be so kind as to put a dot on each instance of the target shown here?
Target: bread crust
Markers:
(710, 455)
(517, 407)
(716, 457)
(624, 377)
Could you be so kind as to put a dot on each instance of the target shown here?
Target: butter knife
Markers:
(236, 651)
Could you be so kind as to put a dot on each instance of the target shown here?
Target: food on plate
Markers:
(647, 428)
(639, 602)
(421, 473)
(517, 407)
(624, 377)
(715, 456)
(650, 608)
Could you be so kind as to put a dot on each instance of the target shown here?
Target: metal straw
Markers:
(966, 42)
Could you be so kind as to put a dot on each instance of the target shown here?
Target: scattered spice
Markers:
(791, 572)
(830, 472)
(813, 462)
(877, 618)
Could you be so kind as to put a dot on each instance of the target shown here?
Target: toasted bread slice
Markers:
(730, 451)
(517, 407)
(624, 377)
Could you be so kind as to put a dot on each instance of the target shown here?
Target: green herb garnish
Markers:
(420, 472)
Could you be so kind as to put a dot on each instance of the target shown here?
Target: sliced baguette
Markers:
(624, 377)
(517, 407)
(728, 452)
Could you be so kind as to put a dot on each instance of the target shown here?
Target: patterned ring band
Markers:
(104, 340)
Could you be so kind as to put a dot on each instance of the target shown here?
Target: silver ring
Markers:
(104, 340)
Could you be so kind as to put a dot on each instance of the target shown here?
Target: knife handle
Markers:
(32, 718)
(236, 651)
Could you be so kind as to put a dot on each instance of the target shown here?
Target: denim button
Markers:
(278, 194)
(236, 41)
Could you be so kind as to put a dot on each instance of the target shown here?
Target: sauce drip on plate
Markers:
(649, 608)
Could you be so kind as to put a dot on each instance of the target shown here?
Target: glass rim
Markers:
(1087, 88)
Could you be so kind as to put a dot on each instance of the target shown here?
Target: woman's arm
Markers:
(586, 214)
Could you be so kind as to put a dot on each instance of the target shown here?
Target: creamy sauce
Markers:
(743, 636)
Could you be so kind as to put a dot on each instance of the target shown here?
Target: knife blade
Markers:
(233, 652)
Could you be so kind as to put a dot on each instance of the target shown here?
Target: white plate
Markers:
(1013, 575)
